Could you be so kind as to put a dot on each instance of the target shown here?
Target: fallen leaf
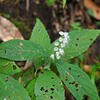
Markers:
(90, 5)
(1, 1)
(8, 31)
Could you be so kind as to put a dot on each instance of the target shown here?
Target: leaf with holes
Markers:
(10, 89)
(49, 87)
(8, 67)
(79, 41)
(76, 81)
(40, 36)
(20, 50)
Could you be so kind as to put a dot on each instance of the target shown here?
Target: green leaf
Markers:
(64, 3)
(76, 25)
(40, 35)
(76, 81)
(20, 50)
(8, 67)
(38, 62)
(79, 41)
(90, 12)
(49, 87)
(30, 88)
(50, 2)
(27, 76)
(10, 89)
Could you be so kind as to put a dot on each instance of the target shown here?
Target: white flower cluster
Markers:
(59, 45)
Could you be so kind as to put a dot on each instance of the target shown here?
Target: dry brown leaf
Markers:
(89, 4)
(1, 1)
(8, 30)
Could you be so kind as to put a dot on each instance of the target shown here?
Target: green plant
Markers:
(64, 3)
(51, 2)
(76, 25)
(51, 70)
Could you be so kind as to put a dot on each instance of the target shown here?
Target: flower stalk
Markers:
(60, 45)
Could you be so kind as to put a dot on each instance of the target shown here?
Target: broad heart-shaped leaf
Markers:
(8, 67)
(49, 87)
(10, 89)
(79, 41)
(76, 81)
(20, 50)
(40, 35)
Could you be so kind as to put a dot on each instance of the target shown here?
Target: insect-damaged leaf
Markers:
(49, 87)
(76, 81)
(79, 41)
(8, 67)
(10, 89)
(20, 50)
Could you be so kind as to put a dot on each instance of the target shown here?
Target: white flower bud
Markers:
(63, 45)
(61, 51)
(56, 49)
(66, 34)
(52, 56)
(65, 41)
(56, 43)
(58, 56)
(60, 39)
(57, 53)
(61, 33)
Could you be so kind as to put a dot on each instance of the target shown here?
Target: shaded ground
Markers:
(55, 18)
